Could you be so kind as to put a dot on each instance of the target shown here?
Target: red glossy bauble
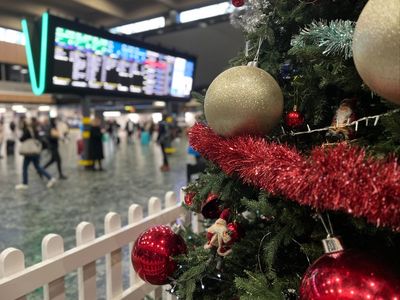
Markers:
(152, 254)
(188, 200)
(348, 275)
(235, 232)
(294, 119)
(237, 3)
(211, 207)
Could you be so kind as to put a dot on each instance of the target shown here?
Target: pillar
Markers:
(85, 106)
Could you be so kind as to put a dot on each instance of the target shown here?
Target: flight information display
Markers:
(85, 61)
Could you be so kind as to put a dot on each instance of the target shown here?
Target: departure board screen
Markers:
(85, 61)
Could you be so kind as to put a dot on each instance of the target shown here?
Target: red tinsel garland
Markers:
(338, 178)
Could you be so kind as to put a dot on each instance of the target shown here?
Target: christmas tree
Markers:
(319, 163)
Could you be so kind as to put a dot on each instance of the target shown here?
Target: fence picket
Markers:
(196, 220)
(112, 223)
(154, 207)
(166, 294)
(16, 281)
(135, 214)
(170, 199)
(12, 261)
(187, 216)
(85, 232)
(53, 245)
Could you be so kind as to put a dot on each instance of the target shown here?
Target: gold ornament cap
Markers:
(332, 244)
(252, 64)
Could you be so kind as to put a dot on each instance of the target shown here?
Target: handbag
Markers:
(80, 146)
(30, 146)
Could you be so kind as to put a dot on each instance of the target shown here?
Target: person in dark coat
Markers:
(1, 135)
(164, 139)
(130, 130)
(96, 144)
(53, 135)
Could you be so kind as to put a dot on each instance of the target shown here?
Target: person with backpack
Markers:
(30, 149)
(52, 137)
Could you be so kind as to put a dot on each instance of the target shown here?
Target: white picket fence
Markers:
(16, 281)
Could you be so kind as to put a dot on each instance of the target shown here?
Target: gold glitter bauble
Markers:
(376, 47)
(243, 100)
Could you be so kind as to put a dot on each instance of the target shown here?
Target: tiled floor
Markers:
(132, 175)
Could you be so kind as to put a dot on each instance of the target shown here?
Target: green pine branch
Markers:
(334, 38)
(257, 287)
(272, 268)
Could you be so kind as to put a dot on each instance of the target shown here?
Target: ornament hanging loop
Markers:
(259, 251)
(254, 62)
(329, 230)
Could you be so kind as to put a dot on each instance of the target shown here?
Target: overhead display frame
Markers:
(73, 58)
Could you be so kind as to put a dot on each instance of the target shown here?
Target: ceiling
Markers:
(214, 46)
(107, 13)
(214, 43)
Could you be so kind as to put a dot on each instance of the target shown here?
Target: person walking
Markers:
(11, 138)
(115, 128)
(1, 136)
(63, 130)
(30, 148)
(163, 139)
(145, 134)
(112, 128)
(96, 144)
(130, 131)
(152, 129)
(53, 136)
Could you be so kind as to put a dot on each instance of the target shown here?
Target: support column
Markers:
(85, 106)
(169, 108)
(169, 149)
